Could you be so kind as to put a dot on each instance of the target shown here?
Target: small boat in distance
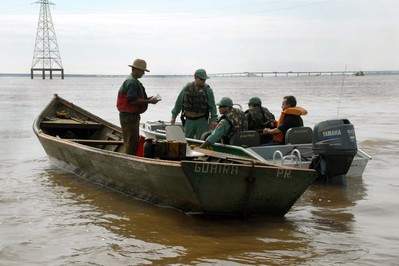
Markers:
(207, 182)
(359, 74)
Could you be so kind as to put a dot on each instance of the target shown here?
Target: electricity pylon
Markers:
(46, 56)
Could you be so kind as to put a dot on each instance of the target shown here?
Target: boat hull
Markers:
(228, 189)
(159, 184)
(234, 187)
(193, 187)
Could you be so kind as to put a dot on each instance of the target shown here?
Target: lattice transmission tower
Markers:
(46, 56)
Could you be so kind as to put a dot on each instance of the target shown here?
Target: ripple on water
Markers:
(378, 146)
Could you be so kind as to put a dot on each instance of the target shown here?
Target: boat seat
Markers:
(97, 141)
(248, 138)
(299, 135)
(69, 123)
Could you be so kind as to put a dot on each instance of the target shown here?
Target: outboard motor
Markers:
(334, 147)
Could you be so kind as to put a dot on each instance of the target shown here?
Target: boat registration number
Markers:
(283, 173)
(205, 168)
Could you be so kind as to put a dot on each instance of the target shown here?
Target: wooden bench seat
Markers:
(69, 123)
(97, 141)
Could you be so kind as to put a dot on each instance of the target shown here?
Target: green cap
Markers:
(225, 102)
(255, 101)
(201, 73)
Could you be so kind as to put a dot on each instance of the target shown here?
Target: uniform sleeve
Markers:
(212, 105)
(270, 116)
(133, 89)
(178, 104)
(221, 130)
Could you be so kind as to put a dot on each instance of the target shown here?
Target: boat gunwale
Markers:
(158, 161)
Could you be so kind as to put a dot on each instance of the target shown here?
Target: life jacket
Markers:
(123, 103)
(259, 117)
(238, 122)
(297, 110)
(196, 100)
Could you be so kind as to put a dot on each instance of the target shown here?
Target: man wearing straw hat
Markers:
(133, 101)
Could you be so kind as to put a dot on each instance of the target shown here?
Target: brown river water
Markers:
(51, 217)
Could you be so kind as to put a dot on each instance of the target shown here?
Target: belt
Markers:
(196, 118)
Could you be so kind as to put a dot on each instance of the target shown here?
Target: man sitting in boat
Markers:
(259, 117)
(231, 121)
(196, 102)
(290, 117)
(133, 101)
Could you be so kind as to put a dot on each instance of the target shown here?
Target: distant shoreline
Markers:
(37, 76)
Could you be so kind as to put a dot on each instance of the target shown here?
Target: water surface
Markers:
(51, 217)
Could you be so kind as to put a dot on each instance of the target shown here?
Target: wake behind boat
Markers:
(206, 182)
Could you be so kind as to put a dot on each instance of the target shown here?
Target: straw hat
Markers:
(140, 64)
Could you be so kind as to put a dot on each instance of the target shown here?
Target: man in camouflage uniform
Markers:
(231, 121)
(196, 102)
(259, 117)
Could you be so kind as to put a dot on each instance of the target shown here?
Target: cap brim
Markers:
(146, 70)
(202, 78)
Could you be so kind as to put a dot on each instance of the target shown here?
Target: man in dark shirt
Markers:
(290, 117)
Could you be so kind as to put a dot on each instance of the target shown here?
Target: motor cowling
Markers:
(334, 147)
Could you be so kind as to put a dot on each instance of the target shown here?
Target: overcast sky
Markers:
(178, 36)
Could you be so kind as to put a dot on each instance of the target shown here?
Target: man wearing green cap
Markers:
(196, 103)
(131, 102)
(231, 121)
(259, 117)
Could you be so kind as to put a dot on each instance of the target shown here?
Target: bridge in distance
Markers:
(301, 73)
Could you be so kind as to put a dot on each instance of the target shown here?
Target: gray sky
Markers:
(178, 36)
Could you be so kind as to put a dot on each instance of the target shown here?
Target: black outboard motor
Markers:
(334, 147)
